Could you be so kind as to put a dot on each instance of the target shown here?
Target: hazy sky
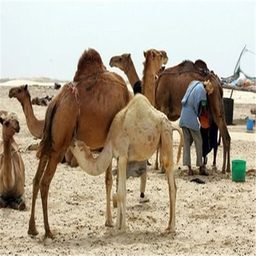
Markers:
(46, 38)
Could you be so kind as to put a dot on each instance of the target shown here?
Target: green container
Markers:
(238, 170)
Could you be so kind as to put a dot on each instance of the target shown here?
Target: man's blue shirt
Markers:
(190, 105)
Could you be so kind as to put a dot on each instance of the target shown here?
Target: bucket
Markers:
(228, 108)
(238, 170)
(249, 124)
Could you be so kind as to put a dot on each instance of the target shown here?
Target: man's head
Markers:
(208, 87)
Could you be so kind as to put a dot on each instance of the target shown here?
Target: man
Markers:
(193, 102)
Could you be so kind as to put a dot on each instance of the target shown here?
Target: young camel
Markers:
(12, 169)
(154, 60)
(87, 107)
(35, 125)
(134, 135)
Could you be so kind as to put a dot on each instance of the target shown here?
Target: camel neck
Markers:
(34, 125)
(148, 86)
(131, 73)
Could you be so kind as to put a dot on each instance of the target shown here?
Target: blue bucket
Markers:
(249, 124)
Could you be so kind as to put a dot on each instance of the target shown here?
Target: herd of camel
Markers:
(99, 113)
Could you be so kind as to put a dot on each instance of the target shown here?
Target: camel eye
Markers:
(120, 59)
(7, 123)
(19, 90)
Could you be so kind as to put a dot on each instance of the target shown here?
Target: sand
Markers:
(215, 218)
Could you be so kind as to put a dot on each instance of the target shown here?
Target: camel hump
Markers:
(202, 66)
(90, 61)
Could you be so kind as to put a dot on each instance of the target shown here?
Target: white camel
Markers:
(134, 135)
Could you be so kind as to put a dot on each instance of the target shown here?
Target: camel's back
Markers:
(137, 125)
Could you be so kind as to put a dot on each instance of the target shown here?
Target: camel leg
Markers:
(41, 166)
(143, 182)
(215, 150)
(108, 183)
(44, 189)
(121, 194)
(226, 149)
(156, 163)
(172, 197)
(167, 161)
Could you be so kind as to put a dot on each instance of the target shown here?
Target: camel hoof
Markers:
(203, 173)
(22, 206)
(109, 223)
(32, 232)
(48, 235)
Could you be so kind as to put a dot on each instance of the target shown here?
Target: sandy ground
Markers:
(215, 218)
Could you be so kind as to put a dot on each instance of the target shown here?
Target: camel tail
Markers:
(45, 146)
(176, 128)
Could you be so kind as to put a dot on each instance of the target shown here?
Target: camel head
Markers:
(20, 93)
(120, 61)
(165, 57)
(208, 87)
(79, 148)
(155, 59)
(10, 125)
(202, 67)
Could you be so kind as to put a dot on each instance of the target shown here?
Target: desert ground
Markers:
(215, 218)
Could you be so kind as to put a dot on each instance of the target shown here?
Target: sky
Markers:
(47, 38)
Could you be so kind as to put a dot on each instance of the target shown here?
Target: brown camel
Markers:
(134, 135)
(86, 108)
(12, 169)
(125, 63)
(35, 126)
(43, 101)
(22, 94)
(152, 64)
(171, 87)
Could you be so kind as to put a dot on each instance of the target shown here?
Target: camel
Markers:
(171, 87)
(153, 63)
(35, 126)
(43, 101)
(134, 135)
(12, 169)
(125, 63)
(22, 94)
(85, 107)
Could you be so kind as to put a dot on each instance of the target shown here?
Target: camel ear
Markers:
(129, 55)
(145, 54)
(1, 120)
(153, 54)
(26, 86)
